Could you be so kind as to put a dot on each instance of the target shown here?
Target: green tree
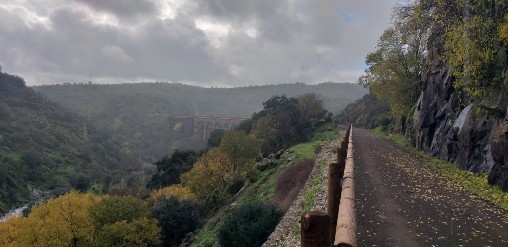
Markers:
(472, 44)
(124, 221)
(139, 232)
(32, 158)
(170, 169)
(216, 137)
(249, 225)
(280, 123)
(276, 131)
(312, 107)
(245, 126)
(177, 218)
(116, 208)
(241, 149)
(395, 68)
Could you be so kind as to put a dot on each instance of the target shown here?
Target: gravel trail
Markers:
(401, 202)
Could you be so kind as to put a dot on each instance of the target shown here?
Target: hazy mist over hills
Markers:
(138, 109)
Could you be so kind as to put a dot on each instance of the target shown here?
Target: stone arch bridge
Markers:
(202, 125)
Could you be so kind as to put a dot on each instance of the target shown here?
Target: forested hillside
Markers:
(130, 112)
(190, 186)
(44, 147)
(442, 67)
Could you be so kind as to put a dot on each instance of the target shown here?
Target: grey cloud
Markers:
(240, 10)
(164, 50)
(122, 8)
(116, 54)
(325, 25)
(297, 40)
(176, 50)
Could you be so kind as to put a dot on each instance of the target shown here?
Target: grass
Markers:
(325, 131)
(310, 195)
(207, 237)
(395, 138)
(472, 182)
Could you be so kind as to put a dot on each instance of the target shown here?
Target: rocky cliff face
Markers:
(458, 129)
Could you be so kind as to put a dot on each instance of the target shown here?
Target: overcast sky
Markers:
(200, 42)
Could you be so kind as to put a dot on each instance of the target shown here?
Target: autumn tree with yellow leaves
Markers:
(208, 176)
(177, 190)
(68, 221)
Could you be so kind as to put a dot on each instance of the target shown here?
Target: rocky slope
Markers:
(473, 134)
(446, 123)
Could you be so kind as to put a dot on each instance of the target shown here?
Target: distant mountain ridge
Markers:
(129, 111)
(199, 100)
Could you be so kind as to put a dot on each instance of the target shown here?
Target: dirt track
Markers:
(401, 202)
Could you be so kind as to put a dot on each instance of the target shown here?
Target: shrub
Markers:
(237, 183)
(252, 175)
(290, 182)
(177, 218)
(32, 158)
(80, 182)
(216, 137)
(169, 169)
(249, 225)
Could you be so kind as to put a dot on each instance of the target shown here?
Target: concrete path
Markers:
(401, 202)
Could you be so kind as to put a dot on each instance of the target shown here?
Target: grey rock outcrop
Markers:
(456, 128)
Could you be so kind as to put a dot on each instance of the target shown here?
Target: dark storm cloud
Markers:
(206, 42)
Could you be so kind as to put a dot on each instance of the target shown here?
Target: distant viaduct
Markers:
(202, 125)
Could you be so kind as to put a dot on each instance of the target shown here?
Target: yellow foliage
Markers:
(67, 221)
(178, 127)
(178, 191)
(503, 31)
(9, 230)
(139, 232)
(208, 174)
(63, 221)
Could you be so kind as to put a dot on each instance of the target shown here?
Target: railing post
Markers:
(315, 229)
(335, 171)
